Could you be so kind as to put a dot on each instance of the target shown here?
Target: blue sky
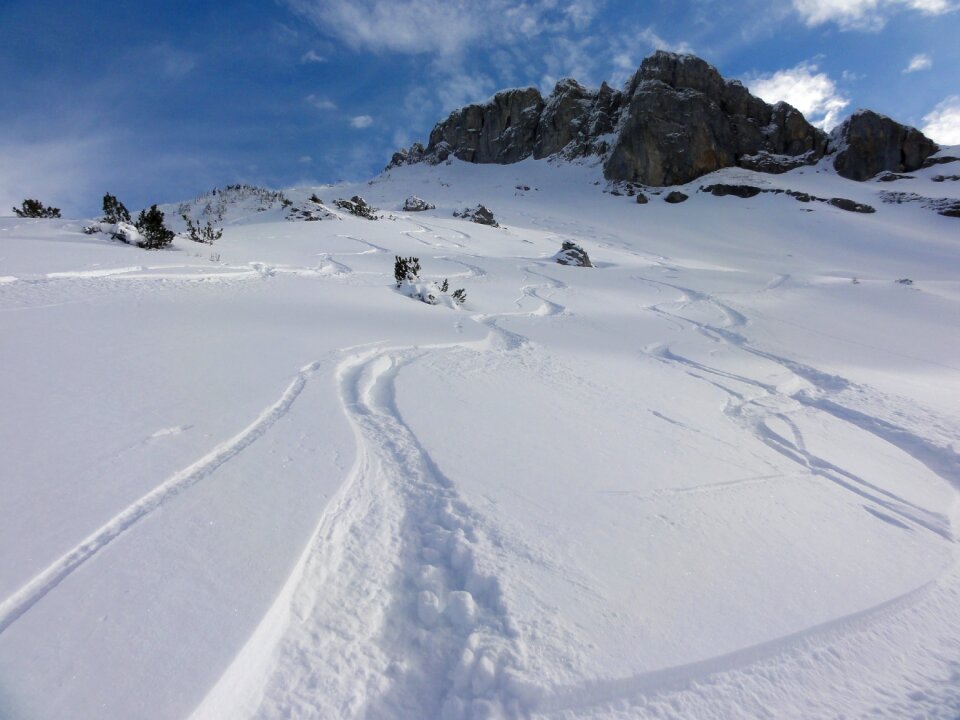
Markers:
(158, 101)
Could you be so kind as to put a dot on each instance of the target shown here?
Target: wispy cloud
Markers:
(919, 62)
(312, 56)
(320, 103)
(870, 15)
(361, 121)
(444, 27)
(811, 92)
(942, 124)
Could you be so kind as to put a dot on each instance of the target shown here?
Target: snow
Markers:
(715, 476)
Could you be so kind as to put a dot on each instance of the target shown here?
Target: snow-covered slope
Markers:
(714, 476)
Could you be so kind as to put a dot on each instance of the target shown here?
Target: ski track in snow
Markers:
(389, 613)
(391, 610)
(916, 630)
(19, 602)
(371, 626)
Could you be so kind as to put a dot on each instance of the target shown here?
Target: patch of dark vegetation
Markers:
(948, 207)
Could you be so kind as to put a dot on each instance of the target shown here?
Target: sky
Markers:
(158, 101)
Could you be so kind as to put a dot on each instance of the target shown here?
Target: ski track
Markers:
(420, 630)
(392, 610)
(37, 588)
(393, 613)
(749, 681)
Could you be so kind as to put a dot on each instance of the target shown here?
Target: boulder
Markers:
(675, 197)
(416, 204)
(479, 214)
(868, 143)
(357, 206)
(572, 254)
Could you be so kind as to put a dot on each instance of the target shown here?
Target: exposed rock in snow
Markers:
(479, 214)
(675, 197)
(675, 120)
(948, 207)
(740, 191)
(868, 143)
(416, 204)
(572, 254)
(357, 206)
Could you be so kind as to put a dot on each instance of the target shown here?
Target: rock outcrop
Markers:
(675, 120)
(572, 254)
(357, 206)
(868, 143)
(416, 204)
(479, 215)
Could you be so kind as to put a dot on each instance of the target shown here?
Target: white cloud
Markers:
(361, 121)
(919, 62)
(812, 93)
(305, 159)
(863, 14)
(445, 27)
(320, 103)
(311, 56)
(942, 124)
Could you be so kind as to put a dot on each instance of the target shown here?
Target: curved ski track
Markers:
(391, 612)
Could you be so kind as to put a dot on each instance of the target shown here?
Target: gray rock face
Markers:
(684, 120)
(502, 131)
(479, 214)
(572, 254)
(868, 143)
(675, 120)
(416, 204)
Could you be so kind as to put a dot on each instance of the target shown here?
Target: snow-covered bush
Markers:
(406, 272)
(35, 209)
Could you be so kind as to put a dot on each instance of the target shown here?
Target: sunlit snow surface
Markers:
(715, 476)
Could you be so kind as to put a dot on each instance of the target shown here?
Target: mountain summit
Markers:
(675, 119)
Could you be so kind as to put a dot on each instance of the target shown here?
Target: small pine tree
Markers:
(445, 286)
(114, 211)
(459, 296)
(315, 199)
(155, 233)
(406, 270)
(35, 209)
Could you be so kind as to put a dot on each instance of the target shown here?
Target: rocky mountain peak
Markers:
(677, 118)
